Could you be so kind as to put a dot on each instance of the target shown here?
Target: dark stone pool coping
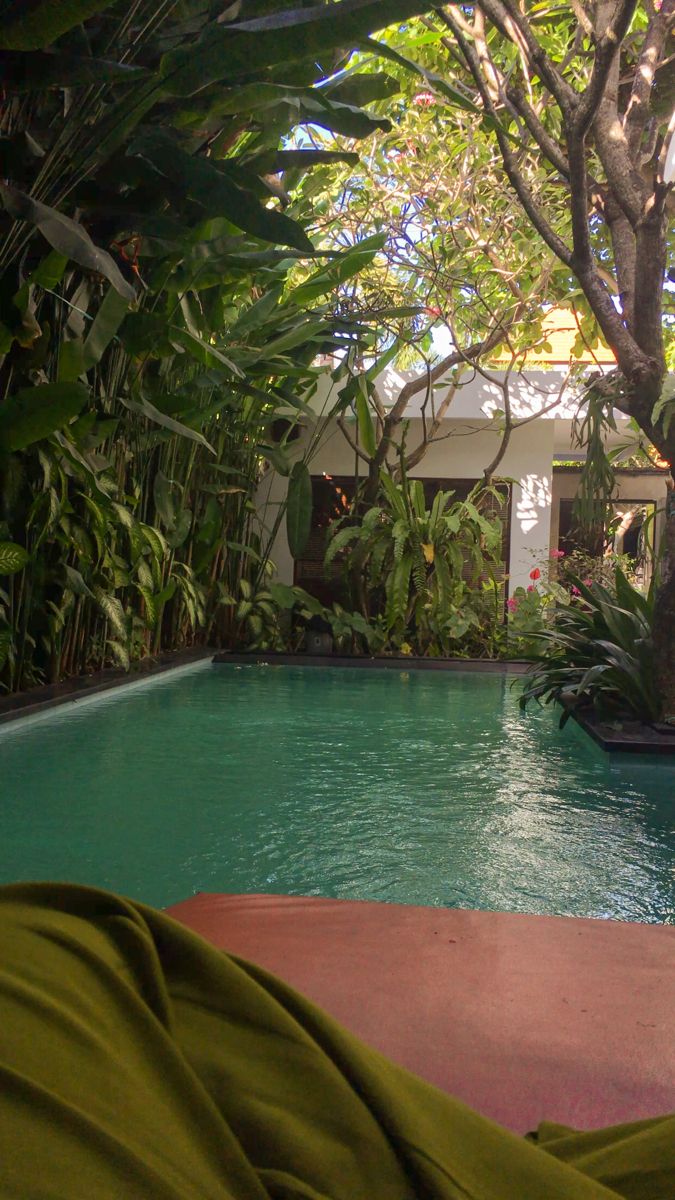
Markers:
(632, 738)
(387, 663)
(46, 696)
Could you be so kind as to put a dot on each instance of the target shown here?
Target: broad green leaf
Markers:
(111, 607)
(276, 456)
(299, 509)
(363, 87)
(38, 72)
(71, 360)
(13, 558)
(107, 321)
(66, 236)
(120, 653)
(301, 160)
(365, 421)
(49, 272)
(343, 267)
(31, 26)
(202, 181)
(33, 413)
(203, 351)
(156, 541)
(151, 610)
(258, 314)
(283, 595)
(227, 52)
(338, 118)
(146, 333)
(296, 336)
(162, 492)
(75, 582)
(145, 409)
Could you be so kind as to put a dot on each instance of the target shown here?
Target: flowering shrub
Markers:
(599, 651)
(530, 608)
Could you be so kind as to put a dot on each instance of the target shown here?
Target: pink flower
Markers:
(424, 99)
(512, 605)
(535, 574)
(557, 554)
(588, 582)
(531, 587)
(575, 591)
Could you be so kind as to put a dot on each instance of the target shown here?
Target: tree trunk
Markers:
(664, 615)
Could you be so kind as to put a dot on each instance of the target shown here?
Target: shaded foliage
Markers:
(148, 339)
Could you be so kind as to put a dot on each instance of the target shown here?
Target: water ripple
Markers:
(432, 789)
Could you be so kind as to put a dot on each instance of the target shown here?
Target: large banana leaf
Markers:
(32, 413)
(299, 509)
(218, 194)
(232, 53)
(66, 236)
(33, 24)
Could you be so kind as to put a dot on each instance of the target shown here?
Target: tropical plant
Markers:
(599, 651)
(421, 570)
(351, 632)
(148, 338)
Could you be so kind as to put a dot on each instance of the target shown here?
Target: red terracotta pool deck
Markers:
(522, 1017)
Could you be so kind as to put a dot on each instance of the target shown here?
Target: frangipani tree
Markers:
(578, 102)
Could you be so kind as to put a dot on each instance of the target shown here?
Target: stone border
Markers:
(643, 739)
(487, 666)
(52, 695)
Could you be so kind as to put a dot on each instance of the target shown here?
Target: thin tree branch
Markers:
(517, 180)
(637, 110)
(508, 18)
(607, 49)
(342, 425)
(545, 142)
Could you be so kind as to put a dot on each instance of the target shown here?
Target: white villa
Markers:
(539, 461)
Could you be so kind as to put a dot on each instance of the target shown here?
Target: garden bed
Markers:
(627, 736)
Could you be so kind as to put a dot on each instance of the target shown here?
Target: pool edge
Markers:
(31, 703)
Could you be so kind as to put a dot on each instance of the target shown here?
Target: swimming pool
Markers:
(417, 787)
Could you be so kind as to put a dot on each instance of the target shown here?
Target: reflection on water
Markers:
(425, 788)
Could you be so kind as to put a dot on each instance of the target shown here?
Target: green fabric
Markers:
(136, 1061)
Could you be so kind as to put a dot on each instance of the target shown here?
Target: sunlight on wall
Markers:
(535, 496)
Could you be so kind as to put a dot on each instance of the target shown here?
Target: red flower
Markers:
(512, 604)
(424, 99)
(535, 574)
(531, 587)
(557, 554)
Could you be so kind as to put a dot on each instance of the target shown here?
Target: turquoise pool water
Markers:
(418, 787)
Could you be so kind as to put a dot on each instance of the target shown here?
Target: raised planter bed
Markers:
(629, 737)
